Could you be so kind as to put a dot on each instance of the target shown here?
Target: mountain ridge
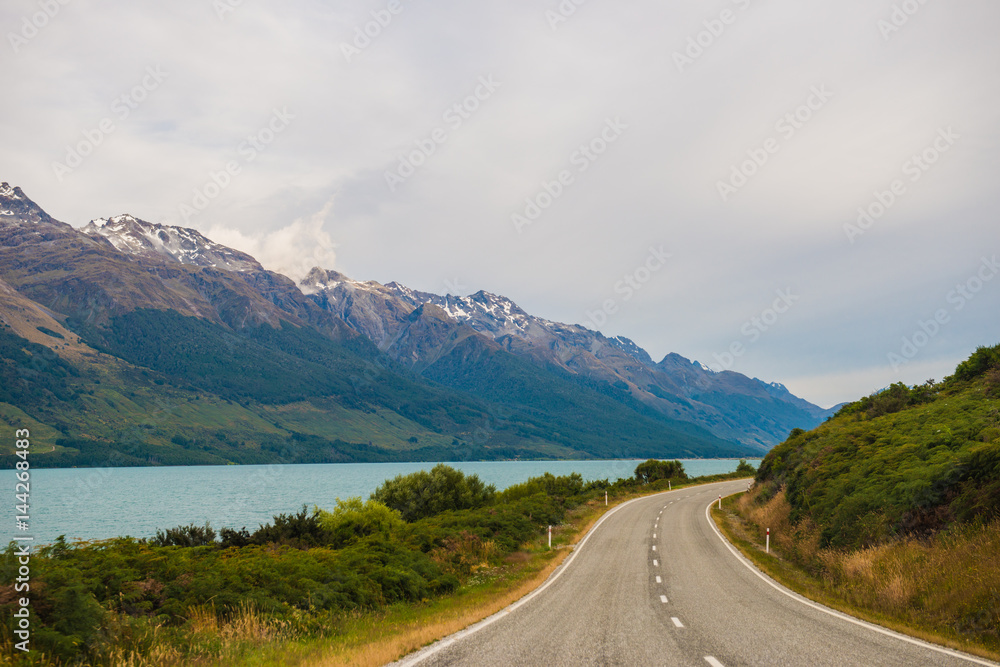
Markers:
(96, 280)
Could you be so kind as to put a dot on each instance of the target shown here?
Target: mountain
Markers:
(130, 343)
(186, 246)
(729, 405)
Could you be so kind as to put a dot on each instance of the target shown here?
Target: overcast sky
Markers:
(285, 130)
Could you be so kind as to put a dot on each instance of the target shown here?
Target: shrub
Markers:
(423, 494)
(981, 361)
(301, 530)
(564, 486)
(352, 520)
(185, 536)
(653, 470)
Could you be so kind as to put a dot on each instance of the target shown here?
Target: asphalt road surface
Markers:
(654, 584)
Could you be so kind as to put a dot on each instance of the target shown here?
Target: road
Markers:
(653, 584)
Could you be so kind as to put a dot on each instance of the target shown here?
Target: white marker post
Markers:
(550, 537)
(669, 487)
(605, 498)
(768, 545)
(720, 502)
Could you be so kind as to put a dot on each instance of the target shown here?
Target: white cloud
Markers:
(292, 250)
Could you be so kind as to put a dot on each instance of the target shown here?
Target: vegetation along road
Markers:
(655, 583)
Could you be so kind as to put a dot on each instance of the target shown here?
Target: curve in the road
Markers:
(655, 583)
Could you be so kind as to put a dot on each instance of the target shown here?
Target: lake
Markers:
(98, 503)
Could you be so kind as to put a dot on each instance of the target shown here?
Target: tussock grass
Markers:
(944, 589)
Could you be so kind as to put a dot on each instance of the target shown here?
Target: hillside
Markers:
(901, 462)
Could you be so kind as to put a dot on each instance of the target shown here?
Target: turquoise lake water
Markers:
(98, 503)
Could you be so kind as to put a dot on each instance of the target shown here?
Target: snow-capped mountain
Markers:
(133, 236)
(397, 319)
(15, 206)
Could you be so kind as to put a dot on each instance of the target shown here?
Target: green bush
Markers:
(185, 536)
(981, 361)
(423, 494)
(653, 470)
(563, 486)
(352, 520)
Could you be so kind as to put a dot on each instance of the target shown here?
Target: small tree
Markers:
(422, 494)
(653, 470)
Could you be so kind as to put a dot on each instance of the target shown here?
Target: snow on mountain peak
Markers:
(133, 236)
(7, 191)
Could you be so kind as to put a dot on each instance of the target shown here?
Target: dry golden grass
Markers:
(945, 589)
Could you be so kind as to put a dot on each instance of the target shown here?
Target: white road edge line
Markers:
(826, 610)
(677, 622)
(712, 661)
(663, 599)
(445, 642)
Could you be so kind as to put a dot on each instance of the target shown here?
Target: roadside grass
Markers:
(944, 590)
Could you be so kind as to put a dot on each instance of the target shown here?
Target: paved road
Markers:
(653, 584)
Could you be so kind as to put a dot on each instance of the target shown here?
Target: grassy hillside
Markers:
(904, 461)
(159, 388)
(891, 509)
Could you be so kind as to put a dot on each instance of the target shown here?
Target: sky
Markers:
(804, 192)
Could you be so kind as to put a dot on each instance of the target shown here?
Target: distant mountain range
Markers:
(133, 343)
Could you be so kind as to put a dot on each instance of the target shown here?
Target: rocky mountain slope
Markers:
(730, 405)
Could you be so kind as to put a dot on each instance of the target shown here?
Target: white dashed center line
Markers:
(663, 599)
(677, 621)
(658, 580)
(656, 563)
(654, 536)
(654, 547)
(712, 661)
